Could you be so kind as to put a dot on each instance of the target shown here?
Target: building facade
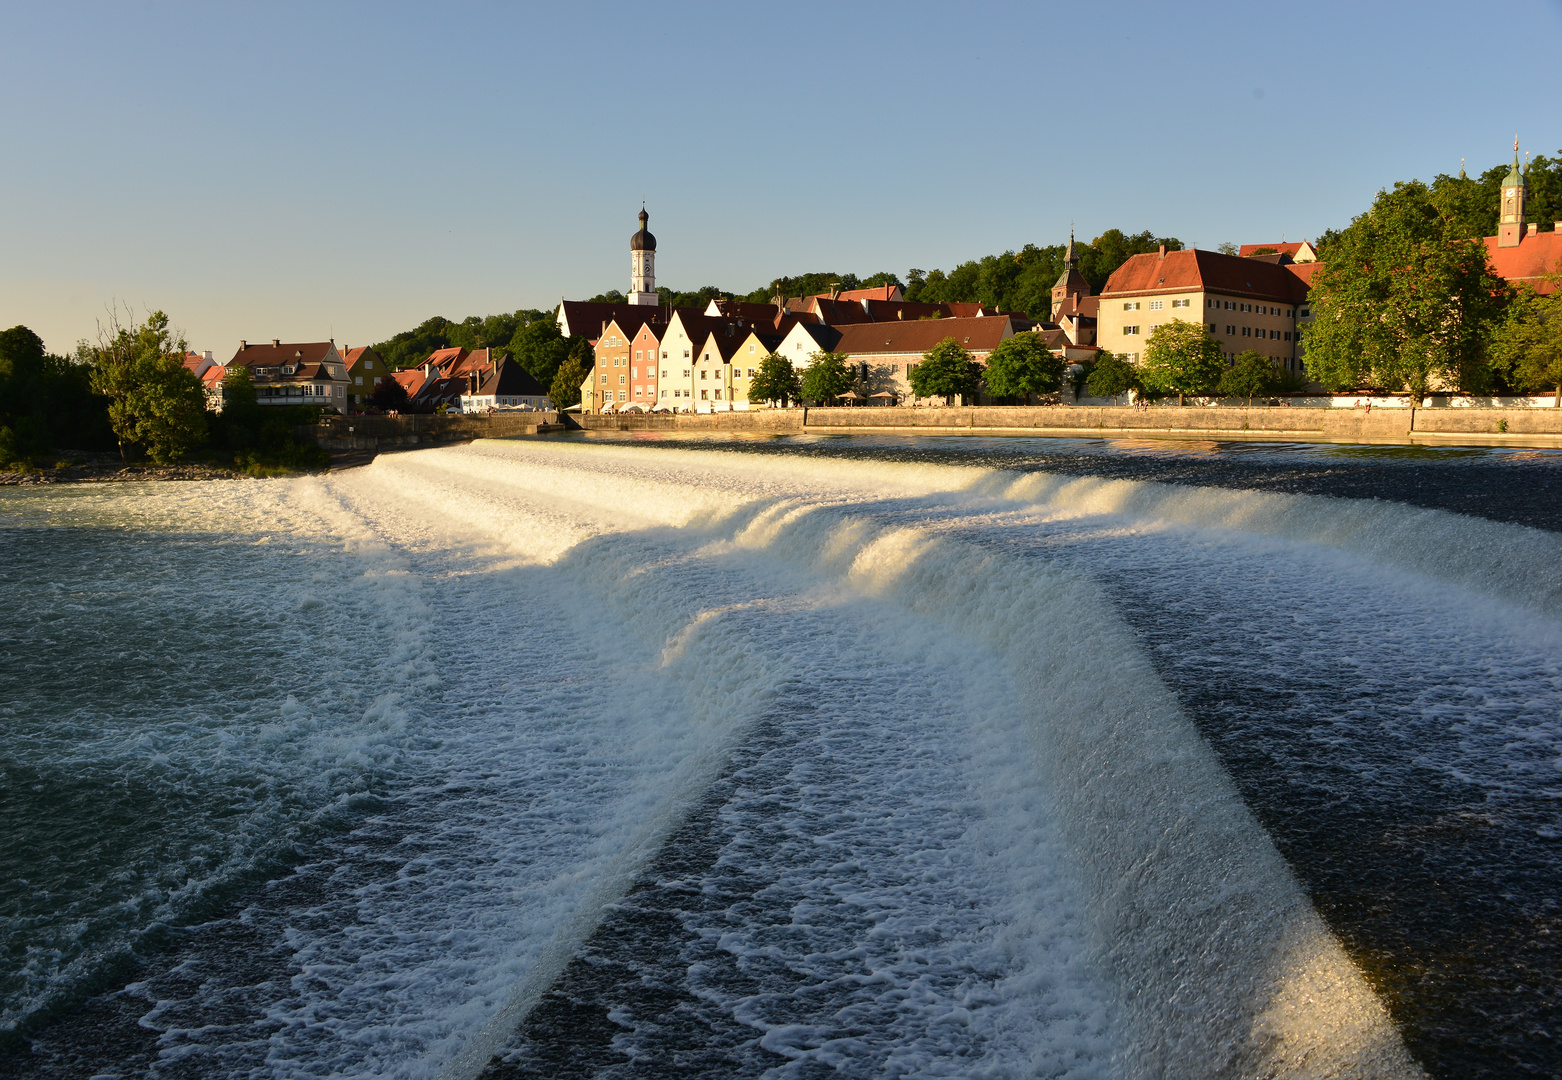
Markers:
(303, 373)
(1245, 304)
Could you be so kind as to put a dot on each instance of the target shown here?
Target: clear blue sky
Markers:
(300, 171)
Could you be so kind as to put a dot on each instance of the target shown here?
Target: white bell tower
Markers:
(642, 265)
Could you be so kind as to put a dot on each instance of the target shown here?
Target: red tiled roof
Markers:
(920, 335)
(899, 310)
(878, 292)
(1286, 248)
(411, 379)
(277, 355)
(838, 312)
(1530, 262)
(1179, 271)
(585, 318)
(963, 309)
(1305, 271)
(744, 309)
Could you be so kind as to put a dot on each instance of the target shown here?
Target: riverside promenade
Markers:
(1445, 426)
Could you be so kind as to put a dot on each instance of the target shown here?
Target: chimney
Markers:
(275, 342)
(1163, 251)
(243, 344)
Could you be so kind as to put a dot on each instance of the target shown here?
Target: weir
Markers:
(986, 834)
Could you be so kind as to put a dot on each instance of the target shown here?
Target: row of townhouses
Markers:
(343, 379)
(652, 358)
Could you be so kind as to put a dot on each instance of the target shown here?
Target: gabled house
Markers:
(198, 363)
(506, 386)
(751, 350)
(307, 373)
(713, 383)
(611, 352)
(365, 370)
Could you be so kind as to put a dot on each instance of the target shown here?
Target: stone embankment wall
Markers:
(379, 433)
(1450, 426)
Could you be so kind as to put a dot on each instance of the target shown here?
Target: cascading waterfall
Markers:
(958, 810)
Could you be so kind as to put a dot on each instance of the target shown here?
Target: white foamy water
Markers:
(976, 833)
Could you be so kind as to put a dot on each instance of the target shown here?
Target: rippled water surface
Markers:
(788, 757)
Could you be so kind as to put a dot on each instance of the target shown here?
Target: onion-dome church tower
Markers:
(642, 264)
(1510, 222)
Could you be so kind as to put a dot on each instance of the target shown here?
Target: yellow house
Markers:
(1244, 303)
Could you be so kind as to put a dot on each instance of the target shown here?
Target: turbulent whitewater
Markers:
(556, 758)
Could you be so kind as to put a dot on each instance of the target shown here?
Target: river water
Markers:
(788, 757)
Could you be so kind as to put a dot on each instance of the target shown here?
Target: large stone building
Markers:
(1253, 303)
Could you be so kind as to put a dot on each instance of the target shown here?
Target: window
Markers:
(664, 373)
(664, 393)
(751, 346)
(622, 396)
(620, 380)
(1154, 327)
(704, 394)
(1131, 305)
(639, 354)
(1212, 328)
(1306, 312)
(664, 354)
(1231, 331)
(358, 380)
(685, 373)
(704, 374)
(1247, 307)
(1130, 330)
(1231, 305)
(1180, 303)
(634, 373)
(718, 395)
(638, 391)
(604, 378)
(686, 354)
(368, 365)
(1156, 305)
(751, 373)
(1247, 331)
(1287, 336)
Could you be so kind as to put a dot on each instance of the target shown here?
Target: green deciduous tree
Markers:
(1023, 365)
(1181, 358)
(541, 349)
(1112, 376)
(46, 401)
(775, 382)
(154, 400)
(1402, 301)
(946, 371)
(1527, 347)
(565, 389)
(1251, 374)
(389, 396)
(827, 376)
